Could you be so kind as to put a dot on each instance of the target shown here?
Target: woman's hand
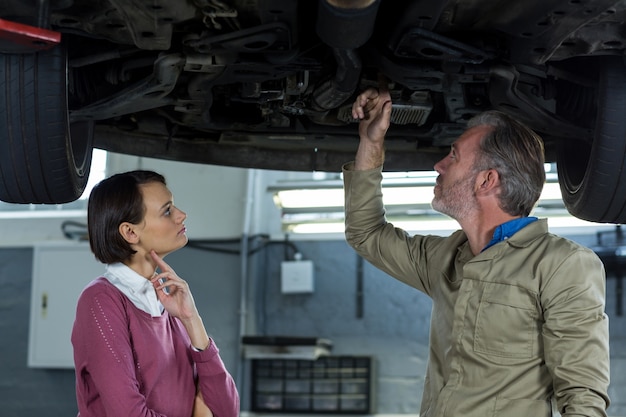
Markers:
(200, 409)
(179, 302)
(172, 291)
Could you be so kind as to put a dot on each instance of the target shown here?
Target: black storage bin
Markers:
(330, 384)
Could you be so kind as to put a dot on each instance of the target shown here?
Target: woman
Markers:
(140, 346)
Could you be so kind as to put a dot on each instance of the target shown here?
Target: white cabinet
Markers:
(60, 272)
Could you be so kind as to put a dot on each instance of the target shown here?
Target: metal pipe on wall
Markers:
(243, 292)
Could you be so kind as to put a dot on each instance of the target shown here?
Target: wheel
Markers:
(43, 157)
(592, 176)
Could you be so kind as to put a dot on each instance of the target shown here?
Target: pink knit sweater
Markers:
(131, 364)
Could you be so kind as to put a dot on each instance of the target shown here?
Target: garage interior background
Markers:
(360, 310)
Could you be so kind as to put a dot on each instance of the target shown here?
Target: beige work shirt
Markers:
(512, 329)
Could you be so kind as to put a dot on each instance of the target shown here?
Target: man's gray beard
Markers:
(457, 200)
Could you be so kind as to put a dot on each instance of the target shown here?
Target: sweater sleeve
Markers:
(105, 370)
(216, 384)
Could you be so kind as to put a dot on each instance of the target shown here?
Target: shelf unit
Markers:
(329, 384)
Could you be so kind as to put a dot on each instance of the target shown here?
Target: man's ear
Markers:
(127, 230)
(488, 181)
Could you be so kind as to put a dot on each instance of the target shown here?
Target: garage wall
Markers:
(25, 391)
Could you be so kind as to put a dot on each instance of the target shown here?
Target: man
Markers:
(518, 321)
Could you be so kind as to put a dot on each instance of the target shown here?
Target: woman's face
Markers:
(163, 227)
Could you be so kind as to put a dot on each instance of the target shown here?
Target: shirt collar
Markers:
(137, 288)
(508, 229)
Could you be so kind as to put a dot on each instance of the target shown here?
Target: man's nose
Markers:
(440, 166)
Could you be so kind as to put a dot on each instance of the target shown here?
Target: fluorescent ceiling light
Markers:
(303, 198)
(316, 207)
(440, 224)
(327, 197)
(393, 195)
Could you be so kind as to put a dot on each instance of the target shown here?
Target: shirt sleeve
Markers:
(385, 246)
(576, 335)
(216, 384)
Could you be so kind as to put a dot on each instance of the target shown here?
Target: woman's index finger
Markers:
(160, 262)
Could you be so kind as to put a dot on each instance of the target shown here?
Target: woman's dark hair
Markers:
(113, 201)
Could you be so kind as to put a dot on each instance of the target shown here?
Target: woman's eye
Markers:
(168, 211)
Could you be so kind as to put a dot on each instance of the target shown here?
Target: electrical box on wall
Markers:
(296, 276)
(60, 272)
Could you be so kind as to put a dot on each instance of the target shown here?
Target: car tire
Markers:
(44, 158)
(592, 176)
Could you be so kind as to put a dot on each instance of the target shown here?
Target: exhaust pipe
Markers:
(344, 25)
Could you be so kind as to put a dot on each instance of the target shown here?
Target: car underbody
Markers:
(269, 83)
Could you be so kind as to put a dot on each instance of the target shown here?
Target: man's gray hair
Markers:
(517, 154)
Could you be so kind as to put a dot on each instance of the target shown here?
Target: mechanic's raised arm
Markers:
(373, 108)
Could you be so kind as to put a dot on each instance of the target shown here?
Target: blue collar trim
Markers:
(508, 229)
